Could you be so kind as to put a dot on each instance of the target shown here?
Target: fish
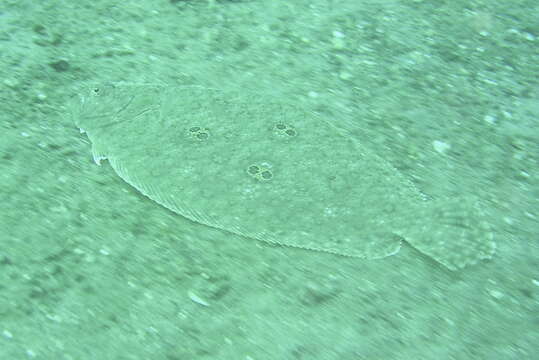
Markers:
(269, 170)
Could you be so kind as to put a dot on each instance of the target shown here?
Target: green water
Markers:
(444, 94)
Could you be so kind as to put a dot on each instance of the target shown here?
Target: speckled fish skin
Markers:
(270, 171)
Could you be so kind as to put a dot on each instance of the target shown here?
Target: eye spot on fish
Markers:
(198, 133)
(285, 130)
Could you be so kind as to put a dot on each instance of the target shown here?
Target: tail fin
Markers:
(452, 231)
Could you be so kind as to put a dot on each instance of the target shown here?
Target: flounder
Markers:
(270, 171)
